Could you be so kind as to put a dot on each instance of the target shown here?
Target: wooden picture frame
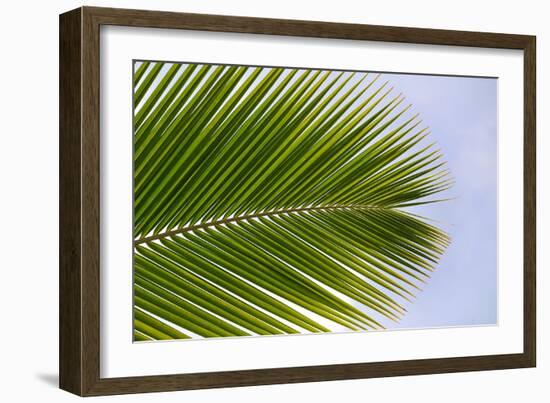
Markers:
(79, 348)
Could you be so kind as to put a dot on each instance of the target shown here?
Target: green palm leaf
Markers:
(273, 201)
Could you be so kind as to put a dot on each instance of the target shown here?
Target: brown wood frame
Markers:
(79, 200)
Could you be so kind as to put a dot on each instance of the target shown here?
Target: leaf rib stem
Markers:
(250, 217)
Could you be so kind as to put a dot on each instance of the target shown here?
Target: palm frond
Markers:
(270, 201)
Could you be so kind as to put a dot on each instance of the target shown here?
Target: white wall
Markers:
(29, 202)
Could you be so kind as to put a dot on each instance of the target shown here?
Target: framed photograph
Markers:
(249, 201)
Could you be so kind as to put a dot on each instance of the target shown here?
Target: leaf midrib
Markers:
(246, 217)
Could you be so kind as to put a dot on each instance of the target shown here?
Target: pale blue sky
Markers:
(462, 115)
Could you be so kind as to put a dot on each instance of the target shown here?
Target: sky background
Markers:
(462, 115)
